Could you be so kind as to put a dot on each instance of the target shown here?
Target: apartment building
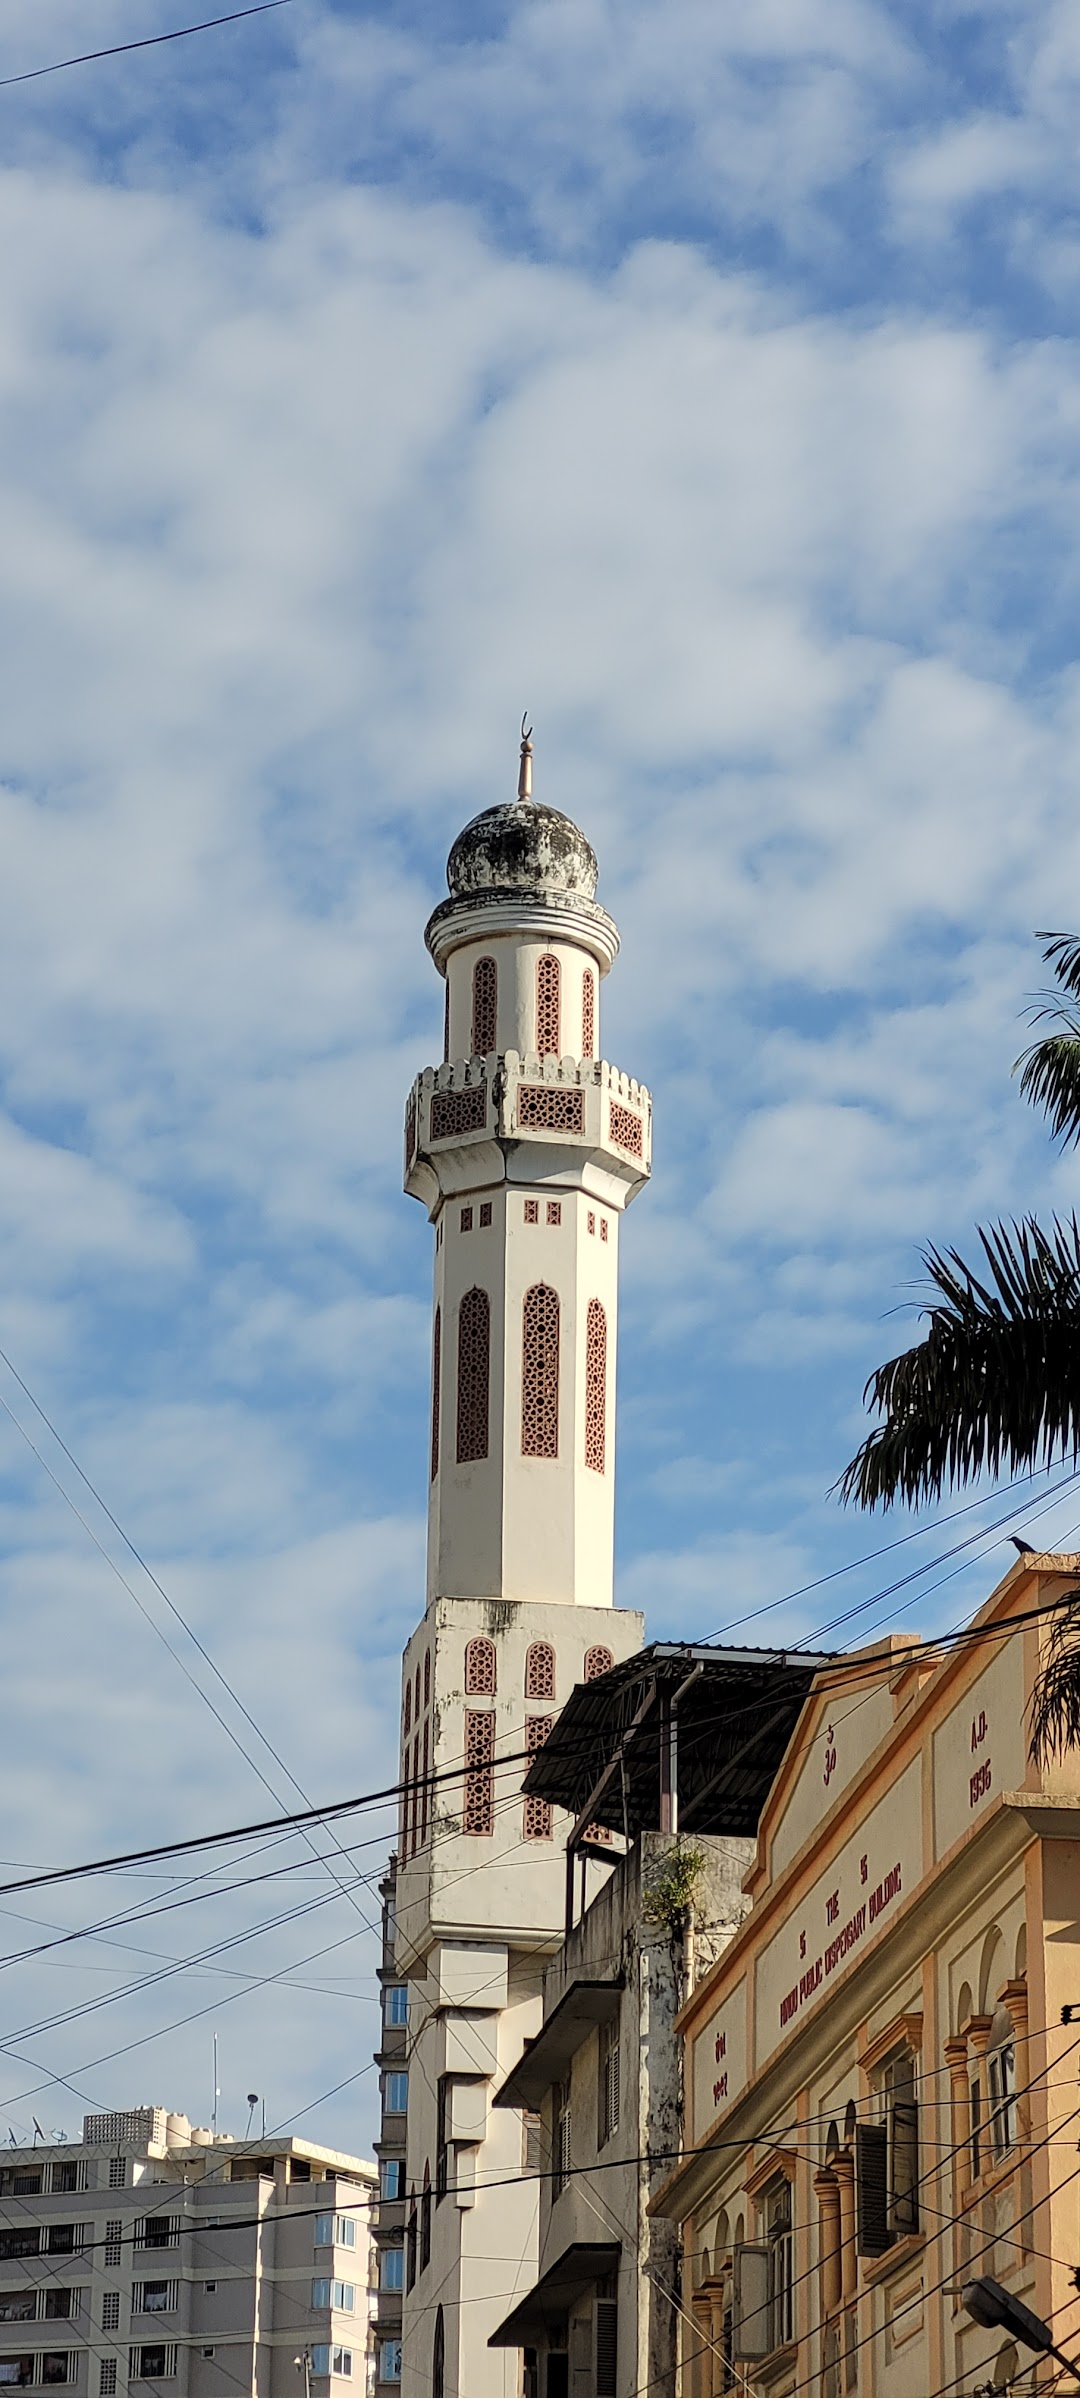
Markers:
(391, 2057)
(153, 2256)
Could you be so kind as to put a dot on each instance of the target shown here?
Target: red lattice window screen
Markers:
(458, 1111)
(540, 1372)
(550, 1107)
(540, 1671)
(408, 1705)
(436, 1391)
(424, 1793)
(480, 1770)
(588, 1015)
(597, 1661)
(626, 1129)
(548, 979)
(427, 1676)
(485, 989)
(473, 1375)
(410, 1131)
(537, 1824)
(480, 1668)
(595, 1386)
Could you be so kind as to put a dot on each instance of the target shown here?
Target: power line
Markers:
(150, 41)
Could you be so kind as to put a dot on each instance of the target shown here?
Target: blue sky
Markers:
(703, 379)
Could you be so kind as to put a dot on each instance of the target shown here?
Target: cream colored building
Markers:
(153, 2257)
(525, 1147)
(882, 2099)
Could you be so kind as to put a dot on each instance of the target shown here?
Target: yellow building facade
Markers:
(882, 2100)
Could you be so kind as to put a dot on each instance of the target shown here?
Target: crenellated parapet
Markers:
(465, 1121)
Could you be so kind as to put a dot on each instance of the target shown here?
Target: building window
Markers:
(538, 1816)
(588, 1014)
(157, 2231)
(626, 1129)
(21, 2243)
(326, 2360)
(438, 2358)
(18, 2306)
(390, 2360)
(607, 2330)
(474, 1366)
(540, 1373)
(603, 1228)
(427, 1677)
(62, 2304)
(396, 2003)
(532, 1211)
(1001, 2071)
(597, 1661)
(157, 2363)
(548, 978)
(531, 2139)
(66, 2177)
(407, 1719)
(113, 2231)
(595, 1386)
(485, 1213)
(153, 2297)
(591, 1220)
(610, 2094)
(554, 1211)
(425, 2222)
(887, 2160)
(117, 2173)
(107, 2377)
(393, 2269)
(540, 1671)
(424, 1787)
(485, 999)
(480, 1770)
(110, 2311)
(442, 2145)
(779, 2240)
(550, 1107)
(391, 2177)
(396, 2093)
(410, 2248)
(561, 2146)
(466, 1219)
(480, 1668)
(339, 2231)
(435, 1389)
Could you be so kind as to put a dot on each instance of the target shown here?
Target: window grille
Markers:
(110, 2311)
(113, 2232)
(427, 1677)
(436, 1391)
(416, 1692)
(157, 2231)
(626, 1129)
(540, 1671)
(424, 1784)
(561, 2160)
(473, 1375)
(532, 1211)
(530, 2140)
(107, 2377)
(455, 1112)
(153, 2297)
(1002, 2079)
(595, 1386)
(779, 2237)
(485, 988)
(538, 1818)
(480, 1770)
(410, 1131)
(466, 1219)
(480, 1668)
(117, 2173)
(610, 2053)
(588, 1015)
(591, 1221)
(603, 1228)
(540, 1373)
(438, 2358)
(550, 1107)
(485, 1213)
(607, 2321)
(156, 2363)
(407, 1722)
(597, 1661)
(548, 979)
(554, 1211)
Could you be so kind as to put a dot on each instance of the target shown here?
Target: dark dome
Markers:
(521, 846)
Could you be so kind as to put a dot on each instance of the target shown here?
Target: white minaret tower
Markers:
(525, 1147)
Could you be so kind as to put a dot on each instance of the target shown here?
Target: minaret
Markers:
(525, 1147)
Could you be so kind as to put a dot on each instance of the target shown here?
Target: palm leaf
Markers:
(1050, 1070)
(1054, 1715)
(995, 1383)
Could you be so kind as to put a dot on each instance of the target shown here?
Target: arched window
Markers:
(416, 1695)
(427, 1677)
(548, 978)
(425, 2221)
(588, 1014)
(595, 1386)
(438, 2358)
(436, 1391)
(540, 1671)
(597, 1661)
(446, 1023)
(407, 1726)
(479, 1770)
(538, 1816)
(424, 1786)
(540, 1372)
(473, 1373)
(480, 1668)
(485, 991)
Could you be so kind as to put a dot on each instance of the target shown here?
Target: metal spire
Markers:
(524, 789)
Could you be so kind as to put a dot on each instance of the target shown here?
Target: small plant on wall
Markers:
(672, 1888)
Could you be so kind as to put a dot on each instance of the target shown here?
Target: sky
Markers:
(702, 379)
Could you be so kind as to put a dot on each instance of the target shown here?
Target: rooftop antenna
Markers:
(253, 2100)
(525, 768)
(38, 2133)
(217, 2092)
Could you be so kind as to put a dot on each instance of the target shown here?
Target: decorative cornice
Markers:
(552, 915)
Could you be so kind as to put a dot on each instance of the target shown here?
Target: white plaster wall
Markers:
(516, 959)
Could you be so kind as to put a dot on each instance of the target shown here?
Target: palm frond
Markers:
(994, 1384)
(1061, 952)
(1054, 1713)
(1050, 1078)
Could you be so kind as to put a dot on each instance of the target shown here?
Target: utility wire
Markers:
(150, 41)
